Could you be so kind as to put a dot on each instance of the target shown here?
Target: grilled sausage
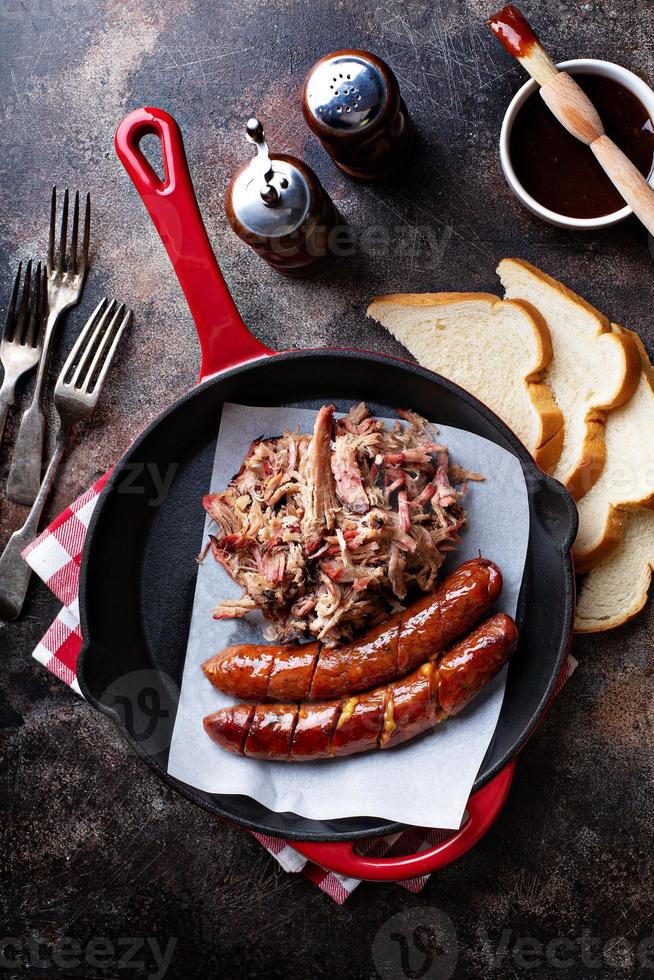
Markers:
(313, 672)
(379, 719)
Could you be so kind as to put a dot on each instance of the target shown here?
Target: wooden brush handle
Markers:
(627, 178)
(572, 107)
(575, 111)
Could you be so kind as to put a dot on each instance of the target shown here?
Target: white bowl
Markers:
(576, 66)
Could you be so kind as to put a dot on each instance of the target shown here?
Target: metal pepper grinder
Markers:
(351, 100)
(276, 204)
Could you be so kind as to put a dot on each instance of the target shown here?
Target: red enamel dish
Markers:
(138, 570)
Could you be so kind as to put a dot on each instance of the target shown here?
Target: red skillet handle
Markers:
(482, 810)
(224, 339)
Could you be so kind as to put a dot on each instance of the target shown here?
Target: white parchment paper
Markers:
(426, 782)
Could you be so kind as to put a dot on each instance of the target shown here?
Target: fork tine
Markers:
(86, 236)
(100, 353)
(89, 358)
(85, 340)
(45, 307)
(34, 312)
(109, 356)
(10, 322)
(41, 297)
(22, 319)
(61, 262)
(53, 219)
(73, 244)
(42, 315)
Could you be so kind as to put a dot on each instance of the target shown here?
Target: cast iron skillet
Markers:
(138, 571)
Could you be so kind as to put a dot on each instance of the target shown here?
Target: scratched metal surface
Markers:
(95, 845)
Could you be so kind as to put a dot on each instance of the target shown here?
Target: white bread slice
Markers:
(616, 589)
(627, 480)
(495, 349)
(591, 371)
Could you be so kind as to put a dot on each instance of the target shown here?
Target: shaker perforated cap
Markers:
(351, 100)
(346, 91)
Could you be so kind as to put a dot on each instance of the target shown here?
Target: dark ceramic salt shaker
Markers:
(351, 100)
(276, 204)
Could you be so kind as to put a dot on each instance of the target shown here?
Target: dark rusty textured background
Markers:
(94, 844)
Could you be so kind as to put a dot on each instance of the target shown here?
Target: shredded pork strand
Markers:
(329, 533)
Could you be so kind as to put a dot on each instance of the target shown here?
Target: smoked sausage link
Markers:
(381, 718)
(313, 672)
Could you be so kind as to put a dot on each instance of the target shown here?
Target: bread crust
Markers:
(603, 625)
(550, 441)
(604, 322)
(548, 454)
(610, 541)
(614, 523)
(633, 368)
(592, 456)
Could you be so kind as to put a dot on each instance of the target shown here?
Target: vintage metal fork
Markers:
(22, 339)
(76, 394)
(66, 274)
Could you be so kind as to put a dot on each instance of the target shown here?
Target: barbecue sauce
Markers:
(559, 171)
(512, 30)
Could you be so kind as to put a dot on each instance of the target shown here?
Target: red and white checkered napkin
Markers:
(55, 556)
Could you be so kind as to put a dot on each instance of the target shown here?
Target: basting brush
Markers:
(573, 109)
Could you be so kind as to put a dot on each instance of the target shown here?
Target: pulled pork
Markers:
(328, 533)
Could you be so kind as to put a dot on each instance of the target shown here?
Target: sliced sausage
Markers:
(313, 672)
(387, 716)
